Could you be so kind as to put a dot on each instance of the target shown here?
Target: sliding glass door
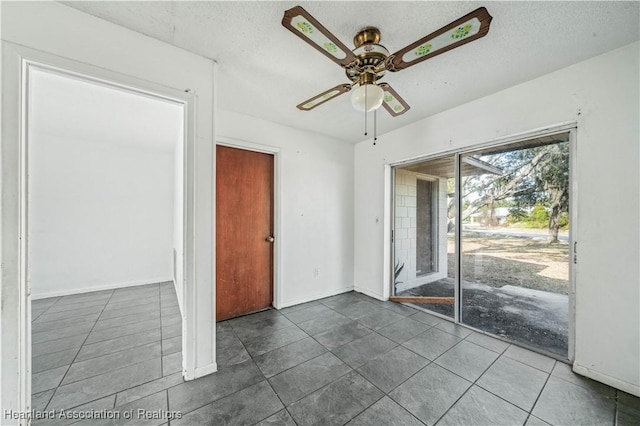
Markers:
(508, 273)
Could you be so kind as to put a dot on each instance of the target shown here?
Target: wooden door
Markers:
(244, 230)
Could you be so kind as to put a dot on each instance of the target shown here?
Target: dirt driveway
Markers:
(499, 260)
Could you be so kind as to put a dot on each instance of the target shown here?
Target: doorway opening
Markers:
(104, 237)
(499, 220)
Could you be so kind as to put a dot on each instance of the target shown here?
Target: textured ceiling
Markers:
(264, 70)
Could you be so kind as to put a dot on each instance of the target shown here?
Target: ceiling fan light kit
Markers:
(367, 97)
(366, 64)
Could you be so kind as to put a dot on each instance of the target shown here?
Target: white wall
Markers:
(53, 33)
(100, 215)
(602, 96)
(315, 200)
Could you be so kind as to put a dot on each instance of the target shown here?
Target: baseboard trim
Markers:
(204, 371)
(370, 293)
(607, 380)
(100, 288)
(316, 296)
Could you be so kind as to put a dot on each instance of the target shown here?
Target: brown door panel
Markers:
(244, 221)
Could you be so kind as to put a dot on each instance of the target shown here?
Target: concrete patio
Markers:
(538, 319)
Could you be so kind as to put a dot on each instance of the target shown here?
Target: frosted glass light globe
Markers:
(367, 97)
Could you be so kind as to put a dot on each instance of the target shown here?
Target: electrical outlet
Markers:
(316, 272)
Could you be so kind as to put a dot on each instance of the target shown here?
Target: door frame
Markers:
(277, 217)
(567, 127)
(17, 61)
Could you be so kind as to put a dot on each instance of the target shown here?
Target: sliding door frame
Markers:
(569, 127)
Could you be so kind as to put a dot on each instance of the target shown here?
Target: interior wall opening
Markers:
(503, 223)
(105, 235)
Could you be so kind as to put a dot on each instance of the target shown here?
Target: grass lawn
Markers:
(499, 260)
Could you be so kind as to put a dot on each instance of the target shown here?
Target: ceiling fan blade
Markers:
(301, 23)
(392, 102)
(323, 97)
(464, 30)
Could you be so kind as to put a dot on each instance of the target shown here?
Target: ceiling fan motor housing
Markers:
(369, 54)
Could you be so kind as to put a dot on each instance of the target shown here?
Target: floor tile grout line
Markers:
(65, 319)
(355, 320)
(74, 358)
(81, 298)
(284, 406)
(54, 303)
(540, 394)
(85, 303)
(43, 312)
(54, 340)
(258, 338)
(80, 306)
(290, 415)
(60, 319)
(351, 370)
(122, 304)
(370, 405)
(125, 315)
(127, 323)
(146, 330)
(470, 387)
(529, 365)
(478, 344)
(429, 362)
(311, 359)
(128, 314)
(253, 326)
(109, 371)
(142, 384)
(297, 365)
(408, 378)
(120, 350)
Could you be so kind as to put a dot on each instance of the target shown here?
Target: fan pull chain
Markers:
(365, 110)
(375, 126)
(365, 123)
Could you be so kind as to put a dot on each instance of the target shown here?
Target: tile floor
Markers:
(346, 359)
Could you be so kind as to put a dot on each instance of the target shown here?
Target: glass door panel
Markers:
(423, 235)
(514, 242)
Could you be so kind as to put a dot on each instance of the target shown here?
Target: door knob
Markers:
(270, 239)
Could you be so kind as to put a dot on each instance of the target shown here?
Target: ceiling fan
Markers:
(367, 63)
